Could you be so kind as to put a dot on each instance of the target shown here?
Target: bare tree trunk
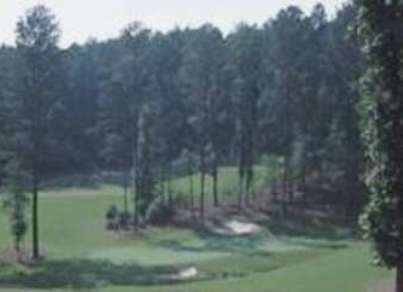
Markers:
(191, 191)
(291, 187)
(18, 250)
(274, 192)
(249, 183)
(169, 186)
(136, 198)
(247, 192)
(125, 192)
(303, 188)
(215, 184)
(240, 194)
(135, 184)
(399, 278)
(162, 182)
(35, 225)
(202, 183)
(284, 195)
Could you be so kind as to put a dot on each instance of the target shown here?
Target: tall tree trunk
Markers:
(303, 187)
(162, 180)
(191, 191)
(35, 225)
(399, 278)
(215, 183)
(18, 250)
(291, 187)
(247, 192)
(135, 165)
(125, 192)
(284, 195)
(169, 186)
(249, 182)
(202, 183)
(241, 183)
(135, 183)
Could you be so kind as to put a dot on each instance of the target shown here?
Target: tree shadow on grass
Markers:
(250, 245)
(315, 228)
(82, 273)
(217, 243)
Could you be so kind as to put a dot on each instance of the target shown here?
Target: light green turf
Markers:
(72, 227)
(346, 270)
(72, 220)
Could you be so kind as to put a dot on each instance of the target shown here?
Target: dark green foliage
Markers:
(80, 140)
(245, 46)
(312, 66)
(112, 218)
(201, 76)
(124, 219)
(7, 107)
(112, 213)
(87, 274)
(116, 219)
(159, 213)
(145, 102)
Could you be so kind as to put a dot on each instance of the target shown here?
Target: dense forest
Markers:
(151, 106)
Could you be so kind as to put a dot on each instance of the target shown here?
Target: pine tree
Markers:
(245, 56)
(199, 73)
(40, 63)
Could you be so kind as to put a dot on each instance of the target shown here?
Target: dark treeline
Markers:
(146, 102)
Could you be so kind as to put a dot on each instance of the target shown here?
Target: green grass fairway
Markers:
(83, 255)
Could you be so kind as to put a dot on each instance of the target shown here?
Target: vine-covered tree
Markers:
(16, 202)
(147, 162)
(380, 27)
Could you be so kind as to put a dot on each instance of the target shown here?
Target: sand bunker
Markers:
(184, 274)
(235, 227)
(241, 228)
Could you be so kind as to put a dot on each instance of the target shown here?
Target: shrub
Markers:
(112, 217)
(158, 213)
(124, 220)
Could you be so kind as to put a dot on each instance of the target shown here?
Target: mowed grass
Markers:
(72, 220)
(345, 270)
(83, 255)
